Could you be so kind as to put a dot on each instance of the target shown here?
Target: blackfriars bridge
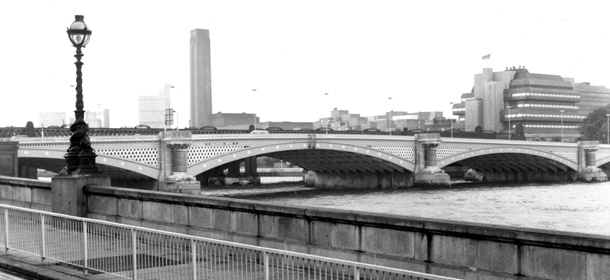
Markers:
(332, 160)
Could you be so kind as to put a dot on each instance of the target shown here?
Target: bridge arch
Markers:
(603, 161)
(53, 160)
(548, 157)
(355, 158)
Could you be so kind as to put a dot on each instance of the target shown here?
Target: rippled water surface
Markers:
(574, 207)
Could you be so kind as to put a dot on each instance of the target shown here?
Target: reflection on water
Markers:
(575, 207)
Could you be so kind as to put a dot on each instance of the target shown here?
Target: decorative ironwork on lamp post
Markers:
(80, 159)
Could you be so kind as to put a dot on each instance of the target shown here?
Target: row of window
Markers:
(541, 86)
(544, 116)
(459, 109)
(547, 106)
(545, 95)
(550, 126)
(467, 98)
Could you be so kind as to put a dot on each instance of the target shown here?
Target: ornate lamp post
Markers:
(80, 158)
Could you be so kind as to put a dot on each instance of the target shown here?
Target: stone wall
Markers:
(27, 193)
(456, 249)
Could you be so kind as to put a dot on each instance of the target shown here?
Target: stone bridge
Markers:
(331, 160)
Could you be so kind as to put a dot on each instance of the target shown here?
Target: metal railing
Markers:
(140, 253)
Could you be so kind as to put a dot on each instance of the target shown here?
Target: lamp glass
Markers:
(78, 32)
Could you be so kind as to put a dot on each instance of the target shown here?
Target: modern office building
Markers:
(546, 105)
(98, 119)
(287, 125)
(47, 119)
(201, 79)
(233, 120)
(152, 108)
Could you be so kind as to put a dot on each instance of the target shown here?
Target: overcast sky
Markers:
(423, 54)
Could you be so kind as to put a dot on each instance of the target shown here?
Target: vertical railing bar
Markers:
(194, 254)
(266, 264)
(85, 252)
(134, 254)
(6, 230)
(42, 238)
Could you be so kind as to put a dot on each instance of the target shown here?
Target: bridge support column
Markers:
(427, 172)
(179, 181)
(587, 165)
(9, 158)
(251, 176)
(379, 180)
(234, 177)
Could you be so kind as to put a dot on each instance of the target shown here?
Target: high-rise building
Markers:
(152, 108)
(98, 119)
(51, 119)
(545, 105)
(201, 79)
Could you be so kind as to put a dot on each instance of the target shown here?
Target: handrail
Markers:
(176, 255)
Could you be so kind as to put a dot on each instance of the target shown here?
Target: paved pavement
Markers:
(29, 267)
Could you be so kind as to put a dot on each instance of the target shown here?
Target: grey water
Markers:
(570, 207)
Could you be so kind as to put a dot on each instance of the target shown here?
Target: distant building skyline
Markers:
(201, 79)
(546, 105)
(47, 119)
(151, 109)
(98, 118)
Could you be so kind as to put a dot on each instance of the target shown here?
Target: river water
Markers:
(571, 207)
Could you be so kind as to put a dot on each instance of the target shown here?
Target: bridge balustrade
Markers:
(65, 132)
(132, 252)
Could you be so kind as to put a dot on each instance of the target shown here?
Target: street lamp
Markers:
(562, 111)
(608, 128)
(80, 158)
(390, 98)
(509, 107)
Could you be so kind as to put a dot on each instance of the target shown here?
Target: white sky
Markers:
(421, 53)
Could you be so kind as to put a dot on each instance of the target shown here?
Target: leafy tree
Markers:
(594, 126)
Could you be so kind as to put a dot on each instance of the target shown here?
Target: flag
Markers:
(487, 56)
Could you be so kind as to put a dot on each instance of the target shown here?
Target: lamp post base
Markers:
(67, 193)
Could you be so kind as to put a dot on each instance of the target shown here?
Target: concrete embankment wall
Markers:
(457, 249)
(26, 193)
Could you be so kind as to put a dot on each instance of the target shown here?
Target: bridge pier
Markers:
(504, 176)
(587, 163)
(177, 143)
(427, 172)
(380, 180)
(233, 176)
(251, 176)
(9, 162)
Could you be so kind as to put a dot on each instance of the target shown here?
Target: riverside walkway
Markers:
(43, 245)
